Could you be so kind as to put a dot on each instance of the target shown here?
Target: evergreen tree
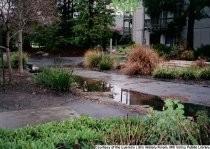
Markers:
(92, 26)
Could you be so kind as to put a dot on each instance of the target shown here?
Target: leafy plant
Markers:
(171, 126)
(167, 52)
(187, 55)
(141, 61)
(15, 57)
(162, 50)
(57, 79)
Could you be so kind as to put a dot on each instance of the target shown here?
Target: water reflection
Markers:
(91, 85)
(130, 97)
(135, 98)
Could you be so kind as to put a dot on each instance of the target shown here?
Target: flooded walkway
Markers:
(196, 94)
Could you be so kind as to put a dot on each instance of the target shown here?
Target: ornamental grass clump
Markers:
(58, 79)
(92, 58)
(205, 74)
(190, 73)
(105, 63)
(165, 73)
(141, 61)
(97, 59)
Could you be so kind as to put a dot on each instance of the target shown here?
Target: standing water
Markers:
(130, 97)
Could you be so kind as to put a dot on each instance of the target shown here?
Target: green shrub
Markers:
(187, 55)
(167, 51)
(163, 50)
(205, 74)
(189, 73)
(165, 73)
(106, 62)
(57, 79)
(171, 126)
(15, 57)
(175, 50)
(203, 52)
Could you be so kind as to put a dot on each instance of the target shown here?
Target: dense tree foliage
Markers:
(93, 23)
(83, 24)
(125, 5)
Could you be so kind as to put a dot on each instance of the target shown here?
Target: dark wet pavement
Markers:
(98, 110)
(196, 94)
(73, 109)
(17, 119)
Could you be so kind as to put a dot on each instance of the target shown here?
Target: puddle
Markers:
(130, 97)
(135, 98)
(91, 85)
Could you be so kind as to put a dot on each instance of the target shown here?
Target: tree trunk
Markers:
(20, 39)
(20, 52)
(8, 55)
(190, 29)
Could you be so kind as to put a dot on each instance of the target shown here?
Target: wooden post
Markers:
(2, 61)
(110, 45)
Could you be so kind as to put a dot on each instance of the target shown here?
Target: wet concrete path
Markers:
(196, 94)
(98, 110)
(73, 109)
(17, 119)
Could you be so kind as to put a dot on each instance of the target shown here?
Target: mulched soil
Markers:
(23, 93)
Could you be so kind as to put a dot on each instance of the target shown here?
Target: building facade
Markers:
(146, 31)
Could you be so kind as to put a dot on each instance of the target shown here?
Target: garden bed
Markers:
(24, 94)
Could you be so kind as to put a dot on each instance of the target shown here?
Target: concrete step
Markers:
(179, 63)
